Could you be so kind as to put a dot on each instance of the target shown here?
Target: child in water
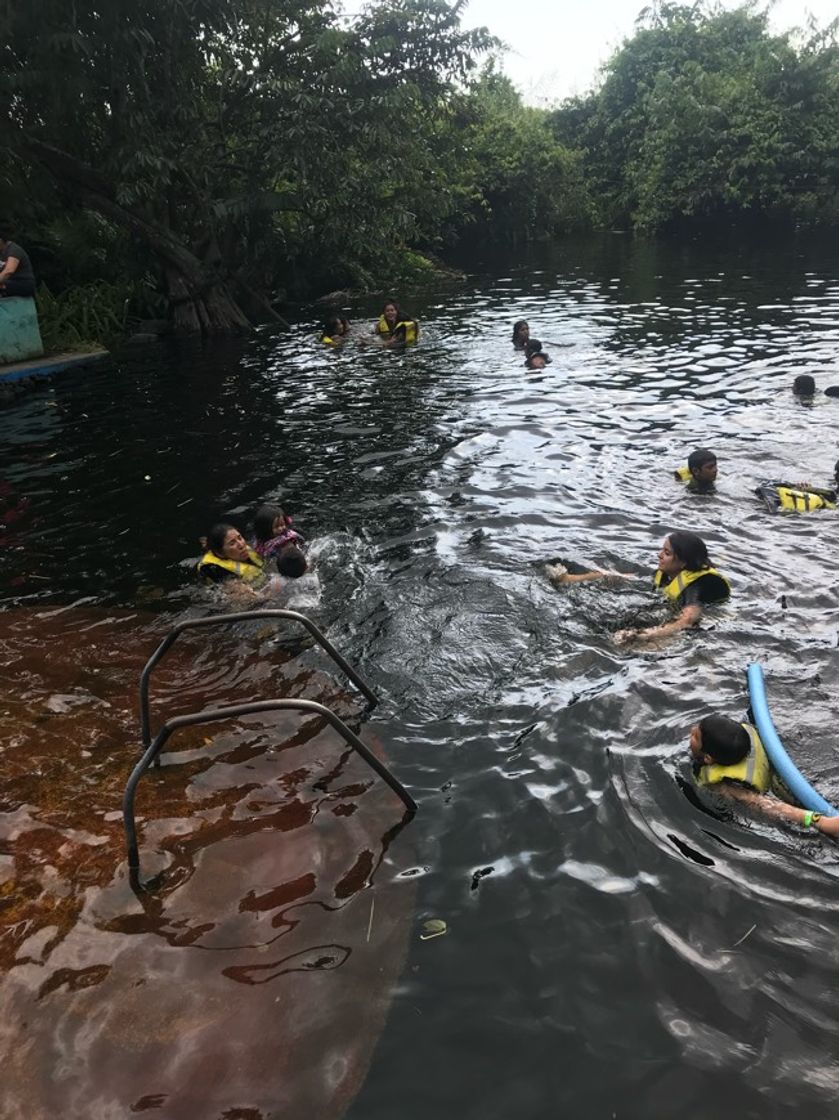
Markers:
(274, 539)
(700, 474)
(535, 356)
(521, 334)
(729, 758)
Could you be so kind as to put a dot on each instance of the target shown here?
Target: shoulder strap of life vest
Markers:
(754, 770)
(684, 579)
(246, 571)
(683, 474)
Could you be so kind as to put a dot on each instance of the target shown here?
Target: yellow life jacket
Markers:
(411, 328)
(803, 501)
(754, 770)
(249, 572)
(683, 474)
(684, 579)
(329, 341)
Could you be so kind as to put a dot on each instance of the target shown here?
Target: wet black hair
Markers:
(291, 562)
(698, 458)
(832, 391)
(532, 346)
(331, 323)
(263, 521)
(836, 470)
(804, 385)
(724, 739)
(517, 326)
(215, 537)
(691, 550)
(531, 358)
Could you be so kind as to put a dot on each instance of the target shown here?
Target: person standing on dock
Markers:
(16, 275)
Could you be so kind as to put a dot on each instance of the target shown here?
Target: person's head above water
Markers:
(269, 521)
(682, 552)
(532, 346)
(804, 385)
(335, 326)
(719, 739)
(537, 360)
(227, 542)
(391, 313)
(521, 332)
(702, 465)
(291, 562)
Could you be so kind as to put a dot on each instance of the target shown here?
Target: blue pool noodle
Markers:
(782, 764)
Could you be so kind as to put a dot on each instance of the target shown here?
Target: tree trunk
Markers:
(198, 296)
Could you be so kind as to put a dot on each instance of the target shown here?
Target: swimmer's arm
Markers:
(557, 574)
(686, 618)
(774, 808)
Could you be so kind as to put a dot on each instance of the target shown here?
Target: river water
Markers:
(609, 946)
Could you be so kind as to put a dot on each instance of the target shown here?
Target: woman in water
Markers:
(684, 576)
(521, 333)
(395, 328)
(228, 558)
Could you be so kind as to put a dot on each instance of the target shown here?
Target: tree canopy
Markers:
(705, 115)
(223, 151)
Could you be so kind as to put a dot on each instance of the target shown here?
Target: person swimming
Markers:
(535, 356)
(700, 474)
(394, 327)
(685, 577)
(729, 759)
(335, 331)
(521, 333)
(228, 557)
(804, 385)
(275, 540)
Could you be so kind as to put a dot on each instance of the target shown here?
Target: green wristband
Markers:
(808, 818)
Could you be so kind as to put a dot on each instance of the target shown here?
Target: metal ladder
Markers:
(152, 747)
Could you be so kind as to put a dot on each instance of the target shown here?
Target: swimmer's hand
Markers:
(557, 573)
(624, 637)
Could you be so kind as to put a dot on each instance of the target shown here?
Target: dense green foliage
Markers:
(211, 155)
(706, 116)
(235, 143)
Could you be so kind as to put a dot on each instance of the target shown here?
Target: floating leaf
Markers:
(434, 927)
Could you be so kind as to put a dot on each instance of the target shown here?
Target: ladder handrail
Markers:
(209, 715)
(227, 619)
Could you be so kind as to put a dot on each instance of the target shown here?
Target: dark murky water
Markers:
(610, 948)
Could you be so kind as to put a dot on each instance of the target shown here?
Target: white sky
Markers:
(557, 46)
